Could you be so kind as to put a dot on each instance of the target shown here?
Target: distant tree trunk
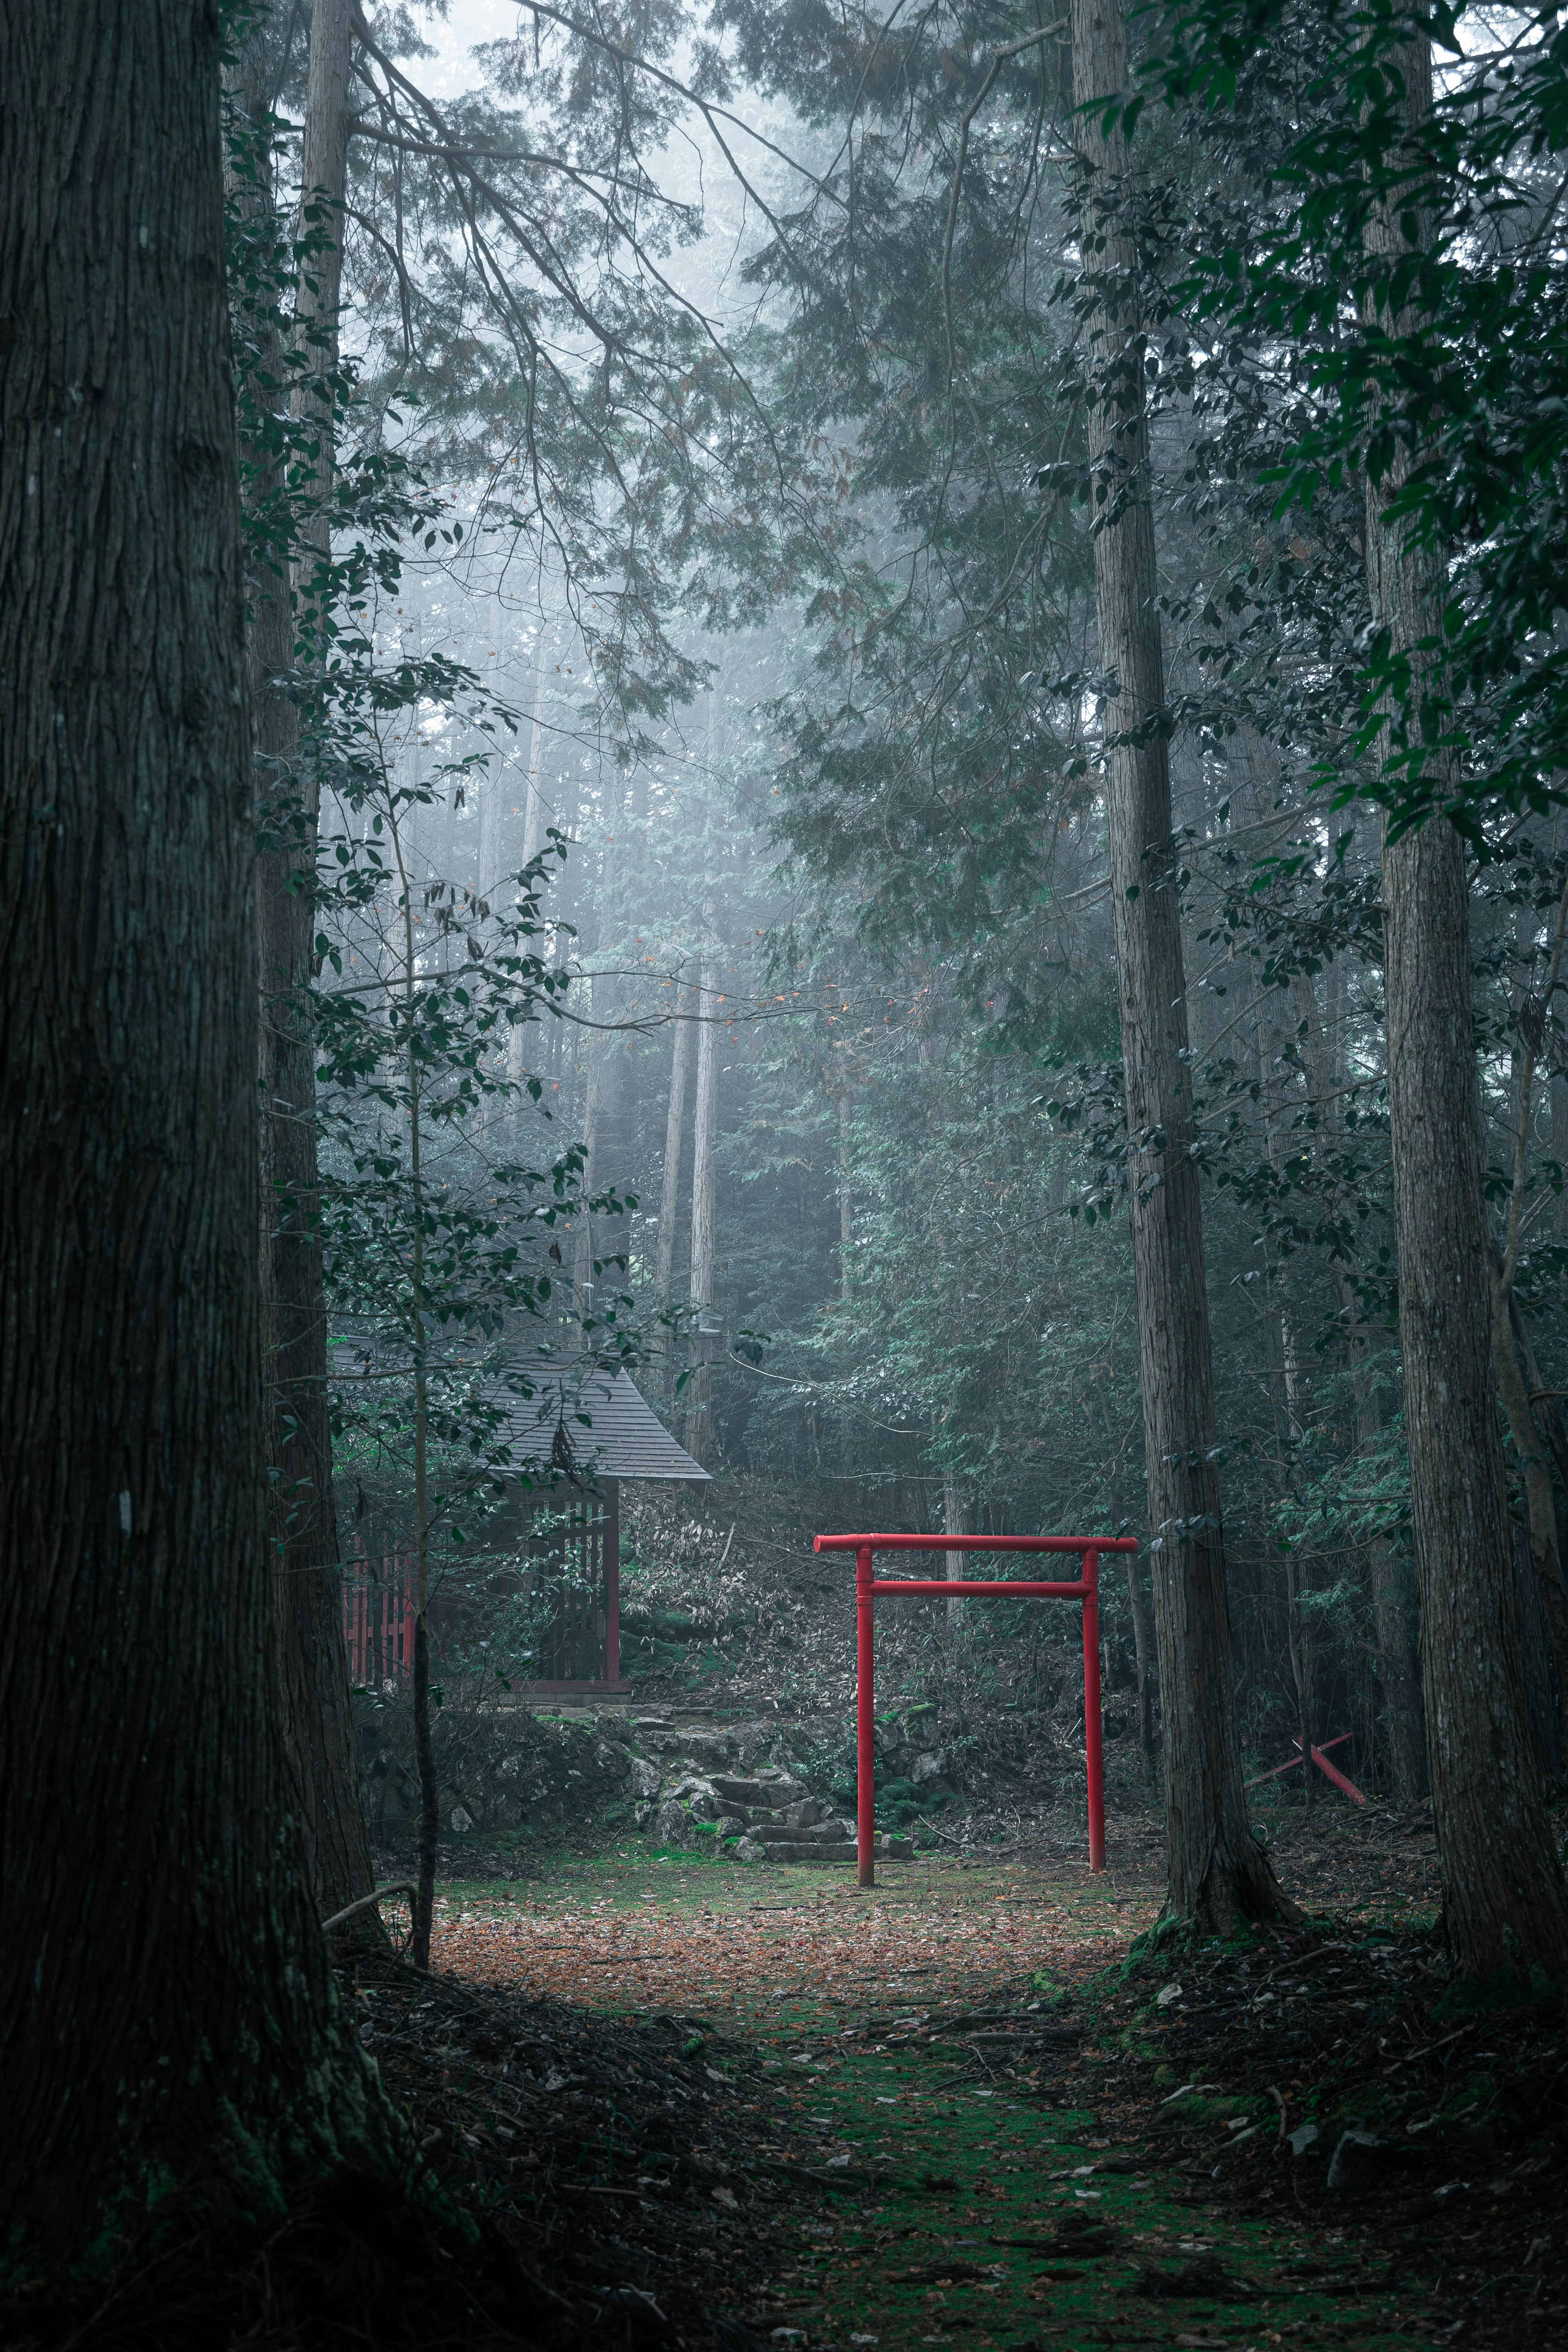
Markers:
(1217, 1875)
(1395, 1615)
(429, 1823)
(533, 838)
(1395, 1624)
(847, 1205)
(954, 1519)
(533, 809)
(669, 1178)
(704, 1202)
(1274, 1107)
(1142, 1644)
(318, 1713)
(1142, 1653)
(583, 1247)
(166, 2012)
(1505, 1903)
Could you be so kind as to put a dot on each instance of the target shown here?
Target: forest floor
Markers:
(672, 2103)
(764, 2107)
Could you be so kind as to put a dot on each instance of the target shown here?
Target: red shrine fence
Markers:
(869, 1588)
(378, 1619)
(572, 1569)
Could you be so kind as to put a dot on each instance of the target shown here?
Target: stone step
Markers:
(788, 1833)
(828, 1856)
(757, 1789)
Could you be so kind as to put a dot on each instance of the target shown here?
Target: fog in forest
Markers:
(776, 773)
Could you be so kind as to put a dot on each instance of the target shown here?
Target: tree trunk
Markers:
(1142, 1644)
(953, 1519)
(1217, 1875)
(705, 1134)
(323, 183)
(1530, 1439)
(166, 2012)
(669, 1180)
(1541, 1507)
(317, 1714)
(1503, 1892)
(1143, 1662)
(533, 809)
(1394, 1613)
(847, 1205)
(582, 1237)
(1505, 1903)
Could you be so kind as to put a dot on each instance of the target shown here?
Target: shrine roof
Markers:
(623, 1438)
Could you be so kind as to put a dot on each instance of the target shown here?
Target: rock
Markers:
(697, 1794)
(645, 1777)
(744, 1790)
(705, 1747)
(673, 1826)
(929, 1766)
(749, 1739)
(806, 1812)
(801, 1833)
(750, 1849)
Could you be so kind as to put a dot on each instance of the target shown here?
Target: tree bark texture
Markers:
(1217, 1875)
(166, 2008)
(317, 1714)
(1505, 1903)
(704, 1200)
(1540, 1508)
(1504, 1898)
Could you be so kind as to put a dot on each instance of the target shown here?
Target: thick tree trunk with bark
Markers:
(166, 2012)
(1504, 1899)
(1505, 1903)
(1217, 1875)
(317, 1714)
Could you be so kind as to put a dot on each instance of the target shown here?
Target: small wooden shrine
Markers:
(578, 1547)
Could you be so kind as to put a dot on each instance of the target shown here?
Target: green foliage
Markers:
(1453, 352)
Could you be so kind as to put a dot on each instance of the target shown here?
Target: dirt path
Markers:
(984, 2192)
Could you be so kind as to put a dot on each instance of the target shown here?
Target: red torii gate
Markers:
(868, 1586)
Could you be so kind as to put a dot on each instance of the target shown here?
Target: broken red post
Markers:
(1323, 1765)
(1337, 1776)
(869, 1585)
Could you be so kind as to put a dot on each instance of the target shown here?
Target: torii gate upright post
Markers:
(869, 1586)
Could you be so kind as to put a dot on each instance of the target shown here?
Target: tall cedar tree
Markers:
(317, 1712)
(1503, 1893)
(1216, 1874)
(166, 2007)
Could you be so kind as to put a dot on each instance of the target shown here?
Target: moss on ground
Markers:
(943, 2208)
